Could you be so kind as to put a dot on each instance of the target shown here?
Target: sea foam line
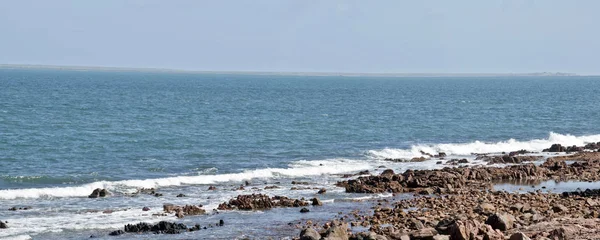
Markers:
(464, 149)
(296, 169)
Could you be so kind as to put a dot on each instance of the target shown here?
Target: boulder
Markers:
(464, 230)
(559, 208)
(304, 210)
(309, 234)
(145, 209)
(500, 221)
(555, 148)
(322, 191)
(485, 208)
(3, 224)
(337, 231)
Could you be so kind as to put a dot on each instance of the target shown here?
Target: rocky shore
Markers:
(461, 203)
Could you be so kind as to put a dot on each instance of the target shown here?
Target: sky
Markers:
(354, 36)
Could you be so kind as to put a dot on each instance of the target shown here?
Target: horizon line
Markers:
(289, 73)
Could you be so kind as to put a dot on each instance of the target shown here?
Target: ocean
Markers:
(64, 133)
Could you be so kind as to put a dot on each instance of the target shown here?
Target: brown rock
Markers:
(519, 236)
(500, 221)
(423, 234)
(309, 234)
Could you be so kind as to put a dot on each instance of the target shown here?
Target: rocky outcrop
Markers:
(181, 211)
(3, 224)
(260, 202)
(98, 192)
(161, 227)
(512, 159)
(586, 167)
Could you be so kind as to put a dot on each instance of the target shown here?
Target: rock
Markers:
(415, 224)
(309, 234)
(387, 172)
(180, 195)
(423, 234)
(299, 183)
(337, 231)
(304, 210)
(443, 226)
(441, 237)
(99, 193)
(485, 208)
(221, 222)
(562, 233)
(260, 202)
(116, 233)
(492, 234)
(418, 159)
(212, 188)
(464, 230)
(559, 208)
(316, 202)
(555, 148)
(519, 236)
(441, 155)
(181, 211)
(322, 191)
(161, 227)
(426, 191)
(145, 209)
(3, 224)
(271, 187)
(500, 221)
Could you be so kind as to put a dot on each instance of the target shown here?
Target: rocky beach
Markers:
(456, 201)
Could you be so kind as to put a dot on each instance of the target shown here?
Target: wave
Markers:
(296, 169)
(465, 149)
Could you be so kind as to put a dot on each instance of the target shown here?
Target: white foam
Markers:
(296, 169)
(465, 149)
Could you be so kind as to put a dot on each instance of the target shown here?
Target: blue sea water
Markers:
(64, 133)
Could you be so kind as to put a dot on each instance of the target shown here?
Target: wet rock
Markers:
(322, 191)
(304, 210)
(180, 195)
(116, 233)
(181, 211)
(418, 159)
(299, 183)
(519, 236)
(221, 222)
(587, 193)
(3, 224)
(271, 187)
(500, 221)
(444, 226)
(99, 193)
(555, 148)
(161, 227)
(387, 172)
(316, 202)
(260, 202)
(309, 234)
(145, 209)
(212, 188)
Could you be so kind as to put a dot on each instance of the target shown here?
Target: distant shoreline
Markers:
(166, 70)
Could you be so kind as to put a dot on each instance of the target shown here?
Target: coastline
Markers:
(454, 202)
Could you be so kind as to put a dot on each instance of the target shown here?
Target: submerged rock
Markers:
(3, 224)
(99, 193)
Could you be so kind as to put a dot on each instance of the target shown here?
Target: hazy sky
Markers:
(441, 36)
